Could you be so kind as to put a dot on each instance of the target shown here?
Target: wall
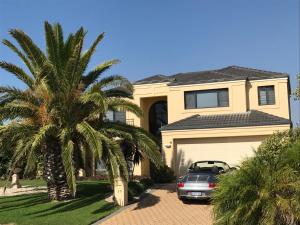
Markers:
(237, 99)
(169, 137)
(231, 150)
(243, 96)
(281, 107)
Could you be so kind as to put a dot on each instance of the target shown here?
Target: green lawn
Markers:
(34, 209)
(36, 182)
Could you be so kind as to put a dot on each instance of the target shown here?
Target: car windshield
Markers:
(209, 166)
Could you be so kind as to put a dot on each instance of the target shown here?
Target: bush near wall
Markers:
(163, 174)
(266, 189)
(136, 188)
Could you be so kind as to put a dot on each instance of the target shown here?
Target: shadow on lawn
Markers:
(23, 201)
(88, 193)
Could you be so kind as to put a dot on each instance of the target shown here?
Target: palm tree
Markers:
(266, 189)
(61, 112)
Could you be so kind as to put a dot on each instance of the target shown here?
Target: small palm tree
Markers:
(266, 189)
(62, 111)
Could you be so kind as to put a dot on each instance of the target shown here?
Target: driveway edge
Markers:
(137, 199)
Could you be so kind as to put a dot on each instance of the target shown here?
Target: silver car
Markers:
(200, 180)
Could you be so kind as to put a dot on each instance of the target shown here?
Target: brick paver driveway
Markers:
(161, 207)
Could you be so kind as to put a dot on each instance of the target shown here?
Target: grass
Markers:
(34, 183)
(34, 209)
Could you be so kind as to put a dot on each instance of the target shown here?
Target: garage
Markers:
(226, 137)
(228, 149)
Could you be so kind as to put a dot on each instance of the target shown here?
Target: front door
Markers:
(158, 117)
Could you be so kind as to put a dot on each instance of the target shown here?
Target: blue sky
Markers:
(170, 36)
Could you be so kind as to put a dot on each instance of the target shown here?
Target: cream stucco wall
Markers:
(232, 150)
(281, 87)
(243, 96)
(169, 137)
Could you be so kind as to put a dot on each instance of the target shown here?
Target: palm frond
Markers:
(96, 98)
(20, 54)
(85, 59)
(118, 104)
(59, 37)
(119, 93)
(92, 76)
(115, 81)
(52, 48)
(14, 110)
(42, 134)
(146, 144)
(72, 65)
(91, 137)
(18, 94)
(18, 72)
(33, 52)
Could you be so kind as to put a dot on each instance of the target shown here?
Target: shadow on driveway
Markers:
(147, 201)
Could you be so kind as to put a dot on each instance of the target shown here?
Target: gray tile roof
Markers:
(249, 118)
(230, 73)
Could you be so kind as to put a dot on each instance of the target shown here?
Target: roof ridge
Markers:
(253, 69)
(214, 75)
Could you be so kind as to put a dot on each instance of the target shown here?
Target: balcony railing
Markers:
(130, 122)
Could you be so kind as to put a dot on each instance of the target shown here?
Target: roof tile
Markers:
(229, 73)
(249, 118)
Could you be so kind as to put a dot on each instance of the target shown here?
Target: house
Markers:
(221, 114)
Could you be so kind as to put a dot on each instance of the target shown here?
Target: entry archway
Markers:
(158, 117)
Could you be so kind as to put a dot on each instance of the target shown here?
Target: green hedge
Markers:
(136, 188)
(266, 189)
(163, 174)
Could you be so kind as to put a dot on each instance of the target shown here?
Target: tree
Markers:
(297, 91)
(61, 113)
(266, 189)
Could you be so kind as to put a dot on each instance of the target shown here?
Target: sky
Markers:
(170, 36)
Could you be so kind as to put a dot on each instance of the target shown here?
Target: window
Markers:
(116, 116)
(266, 95)
(206, 99)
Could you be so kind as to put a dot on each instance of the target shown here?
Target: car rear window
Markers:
(197, 178)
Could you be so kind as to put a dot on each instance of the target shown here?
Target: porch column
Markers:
(143, 168)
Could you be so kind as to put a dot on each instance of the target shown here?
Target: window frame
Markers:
(259, 88)
(205, 91)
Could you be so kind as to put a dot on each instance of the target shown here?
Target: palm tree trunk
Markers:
(54, 172)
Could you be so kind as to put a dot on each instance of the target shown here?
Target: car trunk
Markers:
(198, 181)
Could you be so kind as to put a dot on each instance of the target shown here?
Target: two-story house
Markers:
(221, 114)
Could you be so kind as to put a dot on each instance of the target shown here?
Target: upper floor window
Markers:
(266, 95)
(206, 99)
(116, 116)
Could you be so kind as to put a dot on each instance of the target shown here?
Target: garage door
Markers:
(231, 150)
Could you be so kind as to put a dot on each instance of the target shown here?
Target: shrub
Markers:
(278, 142)
(266, 189)
(5, 157)
(146, 182)
(163, 174)
(135, 188)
